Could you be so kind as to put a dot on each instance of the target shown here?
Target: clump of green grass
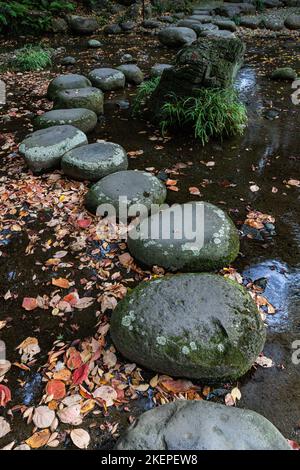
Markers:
(211, 113)
(31, 58)
(144, 92)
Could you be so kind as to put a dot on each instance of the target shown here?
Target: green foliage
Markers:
(32, 16)
(260, 5)
(237, 19)
(211, 112)
(144, 92)
(31, 58)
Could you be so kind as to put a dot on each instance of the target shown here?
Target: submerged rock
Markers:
(107, 79)
(44, 149)
(93, 162)
(177, 36)
(83, 119)
(132, 73)
(90, 98)
(196, 236)
(284, 73)
(137, 186)
(66, 82)
(200, 425)
(201, 326)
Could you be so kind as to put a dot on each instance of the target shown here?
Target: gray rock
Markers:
(166, 19)
(107, 79)
(93, 162)
(68, 60)
(201, 326)
(112, 29)
(83, 24)
(219, 33)
(94, 43)
(176, 37)
(83, 119)
(44, 149)
(284, 73)
(272, 3)
(126, 59)
(157, 69)
(58, 25)
(202, 28)
(200, 18)
(188, 23)
(293, 22)
(139, 188)
(128, 26)
(231, 10)
(215, 245)
(66, 82)
(151, 24)
(226, 25)
(89, 98)
(132, 73)
(274, 24)
(200, 425)
(252, 23)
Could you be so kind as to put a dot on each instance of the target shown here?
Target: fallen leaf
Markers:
(74, 360)
(5, 395)
(254, 188)
(70, 414)
(195, 191)
(107, 394)
(4, 367)
(61, 282)
(4, 427)
(293, 182)
(29, 303)
(84, 302)
(236, 393)
(294, 445)
(80, 374)
(176, 386)
(264, 361)
(43, 417)
(109, 359)
(80, 438)
(38, 439)
(56, 389)
(84, 223)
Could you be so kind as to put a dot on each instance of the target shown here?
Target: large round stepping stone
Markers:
(293, 22)
(44, 149)
(94, 161)
(90, 98)
(158, 69)
(199, 425)
(132, 73)
(137, 186)
(226, 25)
(83, 119)
(107, 79)
(175, 244)
(177, 36)
(66, 82)
(200, 29)
(201, 326)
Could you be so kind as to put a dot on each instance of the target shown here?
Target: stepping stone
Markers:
(128, 26)
(107, 79)
(219, 33)
(151, 24)
(137, 186)
(201, 29)
(83, 24)
(83, 119)
(44, 149)
(293, 22)
(201, 326)
(132, 73)
(176, 36)
(93, 162)
(90, 98)
(94, 43)
(213, 246)
(226, 25)
(273, 24)
(158, 69)
(68, 60)
(284, 73)
(66, 82)
(200, 18)
(201, 425)
(112, 29)
(251, 23)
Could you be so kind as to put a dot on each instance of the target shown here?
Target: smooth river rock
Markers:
(107, 79)
(201, 326)
(132, 73)
(44, 149)
(83, 119)
(137, 186)
(66, 82)
(176, 36)
(169, 238)
(200, 425)
(90, 98)
(93, 162)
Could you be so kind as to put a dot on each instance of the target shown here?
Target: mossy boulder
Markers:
(200, 425)
(284, 73)
(201, 326)
(83, 119)
(196, 236)
(66, 82)
(89, 98)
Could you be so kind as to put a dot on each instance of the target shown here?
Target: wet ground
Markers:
(267, 156)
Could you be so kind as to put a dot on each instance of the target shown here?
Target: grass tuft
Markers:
(144, 91)
(31, 58)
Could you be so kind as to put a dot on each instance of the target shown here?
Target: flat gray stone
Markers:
(226, 25)
(274, 24)
(293, 22)
(90, 98)
(83, 119)
(112, 29)
(94, 43)
(107, 79)
(200, 18)
(219, 33)
(137, 186)
(202, 28)
(200, 425)
(176, 36)
(132, 73)
(44, 149)
(66, 82)
(213, 246)
(251, 23)
(158, 69)
(68, 60)
(201, 326)
(93, 162)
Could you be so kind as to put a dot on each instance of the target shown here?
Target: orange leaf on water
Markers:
(56, 388)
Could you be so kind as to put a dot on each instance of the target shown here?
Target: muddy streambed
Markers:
(267, 156)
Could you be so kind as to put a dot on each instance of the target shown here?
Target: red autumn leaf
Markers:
(80, 374)
(29, 303)
(84, 223)
(71, 298)
(5, 395)
(294, 445)
(194, 190)
(74, 359)
(56, 388)
(176, 386)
